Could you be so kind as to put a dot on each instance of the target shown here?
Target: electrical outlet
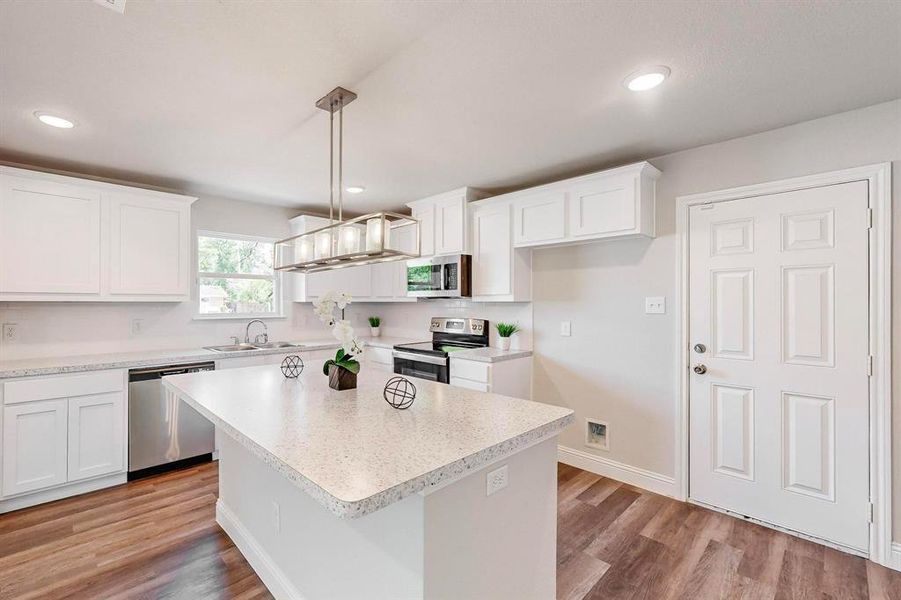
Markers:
(655, 305)
(10, 332)
(137, 326)
(566, 328)
(497, 480)
(276, 517)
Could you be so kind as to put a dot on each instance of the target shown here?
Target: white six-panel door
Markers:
(779, 420)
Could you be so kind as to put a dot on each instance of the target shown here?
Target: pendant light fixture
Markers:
(359, 241)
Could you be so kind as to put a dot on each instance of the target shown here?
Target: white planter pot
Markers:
(375, 331)
(505, 343)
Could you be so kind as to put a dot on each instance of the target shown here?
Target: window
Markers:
(235, 277)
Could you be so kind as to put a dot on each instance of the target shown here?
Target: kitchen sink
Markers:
(244, 347)
(231, 348)
(269, 345)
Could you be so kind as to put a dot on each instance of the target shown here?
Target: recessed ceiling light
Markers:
(646, 79)
(54, 120)
(355, 189)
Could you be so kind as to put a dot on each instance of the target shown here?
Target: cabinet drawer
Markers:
(470, 385)
(64, 386)
(470, 369)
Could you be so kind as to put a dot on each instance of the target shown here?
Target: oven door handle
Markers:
(423, 358)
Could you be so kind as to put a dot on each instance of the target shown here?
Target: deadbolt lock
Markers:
(700, 348)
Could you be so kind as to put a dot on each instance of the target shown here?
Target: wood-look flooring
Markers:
(157, 538)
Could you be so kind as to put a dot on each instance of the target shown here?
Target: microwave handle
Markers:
(445, 279)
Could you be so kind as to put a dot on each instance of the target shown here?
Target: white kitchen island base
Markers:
(452, 541)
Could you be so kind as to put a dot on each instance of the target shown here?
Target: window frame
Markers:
(276, 278)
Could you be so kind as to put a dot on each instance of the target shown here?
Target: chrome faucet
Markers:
(264, 335)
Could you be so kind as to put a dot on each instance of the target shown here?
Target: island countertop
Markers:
(351, 450)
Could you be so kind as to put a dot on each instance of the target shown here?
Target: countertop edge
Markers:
(352, 509)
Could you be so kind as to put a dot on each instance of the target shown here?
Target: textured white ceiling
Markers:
(217, 97)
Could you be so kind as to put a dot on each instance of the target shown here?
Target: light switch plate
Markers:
(566, 328)
(655, 305)
(497, 480)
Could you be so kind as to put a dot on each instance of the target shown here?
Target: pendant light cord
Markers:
(341, 161)
(331, 167)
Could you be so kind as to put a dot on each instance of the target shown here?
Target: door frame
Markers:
(878, 177)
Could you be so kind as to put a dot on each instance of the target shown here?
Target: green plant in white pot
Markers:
(375, 326)
(506, 331)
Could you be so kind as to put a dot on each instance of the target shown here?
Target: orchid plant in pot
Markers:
(341, 370)
(505, 331)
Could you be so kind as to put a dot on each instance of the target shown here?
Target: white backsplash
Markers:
(70, 328)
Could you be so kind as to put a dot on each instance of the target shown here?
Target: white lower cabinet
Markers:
(96, 435)
(34, 446)
(508, 377)
(50, 441)
(379, 358)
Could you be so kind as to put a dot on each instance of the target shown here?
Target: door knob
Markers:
(699, 369)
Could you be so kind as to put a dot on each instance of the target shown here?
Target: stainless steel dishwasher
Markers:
(164, 433)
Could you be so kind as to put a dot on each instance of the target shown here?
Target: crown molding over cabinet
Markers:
(70, 239)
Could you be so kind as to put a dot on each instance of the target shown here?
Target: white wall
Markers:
(619, 364)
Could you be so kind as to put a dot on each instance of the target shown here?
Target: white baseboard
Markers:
(259, 560)
(64, 491)
(649, 480)
(895, 558)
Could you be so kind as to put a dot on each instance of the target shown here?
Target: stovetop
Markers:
(437, 347)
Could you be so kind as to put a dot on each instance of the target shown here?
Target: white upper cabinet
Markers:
(540, 218)
(444, 221)
(426, 216)
(50, 238)
(609, 204)
(64, 239)
(499, 272)
(450, 225)
(150, 250)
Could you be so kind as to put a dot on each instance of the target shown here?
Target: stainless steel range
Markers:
(431, 360)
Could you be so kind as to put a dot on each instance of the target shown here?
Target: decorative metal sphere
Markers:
(292, 366)
(399, 392)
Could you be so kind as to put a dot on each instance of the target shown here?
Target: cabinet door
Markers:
(539, 218)
(384, 280)
(34, 446)
(426, 217)
(607, 205)
(492, 251)
(96, 435)
(49, 237)
(318, 283)
(450, 223)
(149, 245)
(354, 281)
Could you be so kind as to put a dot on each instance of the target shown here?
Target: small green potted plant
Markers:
(505, 330)
(375, 329)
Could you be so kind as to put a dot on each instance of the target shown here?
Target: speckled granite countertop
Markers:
(491, 355)
(54, 365)
(350, 450)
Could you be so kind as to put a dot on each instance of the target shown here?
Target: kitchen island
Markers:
(338, 495)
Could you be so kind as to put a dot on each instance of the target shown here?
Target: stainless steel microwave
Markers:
(440, 276)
